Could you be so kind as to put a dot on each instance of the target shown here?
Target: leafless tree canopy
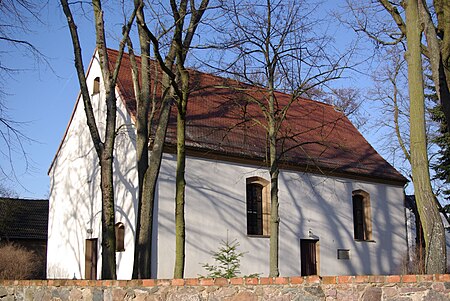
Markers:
(278, 46)
(16, 17)
(7, 192)
(290, 44)
(415, 29)
(389, 95)
(103, 147)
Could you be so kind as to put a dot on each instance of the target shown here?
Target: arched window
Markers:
(258, 206)
(362, 219)
(96, 87)
(120, 237)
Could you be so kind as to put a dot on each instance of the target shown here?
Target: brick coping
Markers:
(323, 280)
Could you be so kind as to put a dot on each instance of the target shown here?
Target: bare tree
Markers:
(389, 96)
(387, 27)
(148, 164)
(104, 148)
(14, 141)
(175, 87)
(435, 260)
(182, 90)
(276, 47)
(7, 192)
(437, 49)
(349, 101)
(16, 17)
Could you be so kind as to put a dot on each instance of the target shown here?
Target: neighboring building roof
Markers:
(222, 119)
(23, 219)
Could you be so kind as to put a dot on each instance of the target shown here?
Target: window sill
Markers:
(258, 236)
(365, 240)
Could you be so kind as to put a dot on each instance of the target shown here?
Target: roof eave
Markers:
(397, 180)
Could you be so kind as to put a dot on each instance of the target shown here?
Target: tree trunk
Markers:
(274, 172)
(148, 165)
(143, 243)
(435, 261)
(181, 86)
(178, 48)
(106, 156)
(104, 149)
(438, 51)
(180, 227)
(107, 188)
(442, 8)
(274, 204)
(108, 219)
(142, 250)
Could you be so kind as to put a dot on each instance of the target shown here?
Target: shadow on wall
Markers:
(74, 216)
(126, 189)
(216, 206)
(325, 205)
(75, 195)
(312, 201)
(212, 212)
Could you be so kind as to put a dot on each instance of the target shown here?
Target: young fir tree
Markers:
(228, 261)
(442, 167)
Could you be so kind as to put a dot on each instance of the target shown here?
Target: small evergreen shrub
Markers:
(228, 261)
(17, 262)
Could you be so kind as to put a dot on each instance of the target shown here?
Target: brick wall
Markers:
(395, 287)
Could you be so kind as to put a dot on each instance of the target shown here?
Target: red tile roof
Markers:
(221, 120)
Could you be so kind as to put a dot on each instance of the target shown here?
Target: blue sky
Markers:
(44, 97)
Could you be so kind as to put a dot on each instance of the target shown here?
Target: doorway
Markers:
(90, 259)
(308, 257)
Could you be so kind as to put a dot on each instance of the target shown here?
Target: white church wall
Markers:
(311, 206)
(75, 196)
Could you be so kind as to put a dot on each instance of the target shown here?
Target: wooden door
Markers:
(308, 256)
(90, 259)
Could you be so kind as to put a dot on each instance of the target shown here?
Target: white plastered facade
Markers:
(312, 206)
(75, 196)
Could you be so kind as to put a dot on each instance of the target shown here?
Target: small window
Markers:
(96, 87)
(343, 254)
(362, 221)
(258, 206)
(120, 237)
